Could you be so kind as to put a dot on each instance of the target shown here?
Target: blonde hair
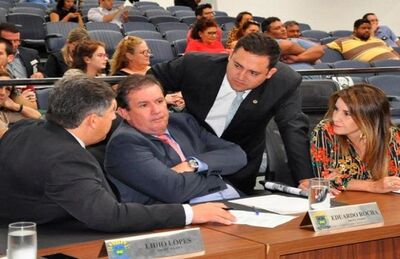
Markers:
(126, 45)
(77, 34)
(370, 110)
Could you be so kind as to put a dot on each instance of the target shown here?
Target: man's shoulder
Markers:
(27, 51)
(124, 131)
(205, 57)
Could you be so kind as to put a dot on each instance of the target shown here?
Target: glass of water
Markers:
(22, 242)
(318, 196)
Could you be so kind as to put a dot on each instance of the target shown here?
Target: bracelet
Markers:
(20, 108)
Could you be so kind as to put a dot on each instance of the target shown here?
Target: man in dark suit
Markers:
(211, 83)
(147, 168)
(47, 175)
(26, 63)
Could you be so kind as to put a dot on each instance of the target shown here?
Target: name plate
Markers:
(343, 217)
(172, 244)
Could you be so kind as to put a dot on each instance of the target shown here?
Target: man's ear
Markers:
(271, 72)
(123, 113)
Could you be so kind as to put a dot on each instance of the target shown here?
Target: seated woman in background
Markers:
(241, 18)
(89, 58)
(65, 11)
(356, 145)
(247, 28)
(132, 56)
(204, 33)
(10, 110)
(59, 62)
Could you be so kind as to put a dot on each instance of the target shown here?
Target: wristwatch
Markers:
(193, 164)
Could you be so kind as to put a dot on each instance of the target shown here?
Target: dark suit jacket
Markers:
(47, 176)
(27, 55)
(139, 164)
(199, 77)
(55, 65)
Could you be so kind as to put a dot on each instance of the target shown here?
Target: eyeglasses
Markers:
(146, 52)
(102, 55)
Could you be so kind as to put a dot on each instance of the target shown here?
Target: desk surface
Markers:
(241, 241)
(289, 241)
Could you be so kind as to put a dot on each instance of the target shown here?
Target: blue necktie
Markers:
(234, 107)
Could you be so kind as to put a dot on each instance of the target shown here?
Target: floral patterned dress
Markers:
(325, 154)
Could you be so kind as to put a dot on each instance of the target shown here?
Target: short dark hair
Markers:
(60, 5)
(9, 47)
(132, 83)
(265, 25)
(365, 16)
(359, 22)
(260, 44)
(200, 26)
(10, 27)
(200, 8)
(291, 23)
(239, 17)
(75, 97)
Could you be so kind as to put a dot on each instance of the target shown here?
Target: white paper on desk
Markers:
(398, 191)
(266, 220)
(276, 203)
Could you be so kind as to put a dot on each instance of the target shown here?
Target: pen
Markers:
(256, 211)
(228, 208)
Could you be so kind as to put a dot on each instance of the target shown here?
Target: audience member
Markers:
(356, 145)
(204, 35)
(204, 11)
(247, 28)
(292, 29)
(6, 53)
(65, 11)
(106, 13)
(191, 3)
(291, 52)
(132, 56)
(90, 57)
(241, 18)
(59, 62)
(381, 31)
(49, 176)
(251, 74)
(26, 62)
(361, 46)
(147, 168)
(10, 110)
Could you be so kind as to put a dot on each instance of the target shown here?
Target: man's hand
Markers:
(183, 168)
(37, 75)
(212, 212)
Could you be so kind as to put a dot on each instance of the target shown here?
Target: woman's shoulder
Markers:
(324, 125)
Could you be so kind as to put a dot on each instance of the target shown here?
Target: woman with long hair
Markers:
(248, 27)
(241, 18)
(59, 62)
(356, 145)
(90, 57)
(65, 11)
(132, 56)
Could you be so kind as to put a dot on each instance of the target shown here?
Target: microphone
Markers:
(285, 188)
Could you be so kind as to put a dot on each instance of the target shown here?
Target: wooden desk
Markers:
(288, 241)
(217, 245)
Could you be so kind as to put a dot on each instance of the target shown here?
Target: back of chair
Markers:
(161, 51)
(110, 38)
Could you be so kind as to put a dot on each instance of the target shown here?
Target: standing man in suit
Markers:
(156, 156)
(26, 62)
(212, 86)
(47, 175)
